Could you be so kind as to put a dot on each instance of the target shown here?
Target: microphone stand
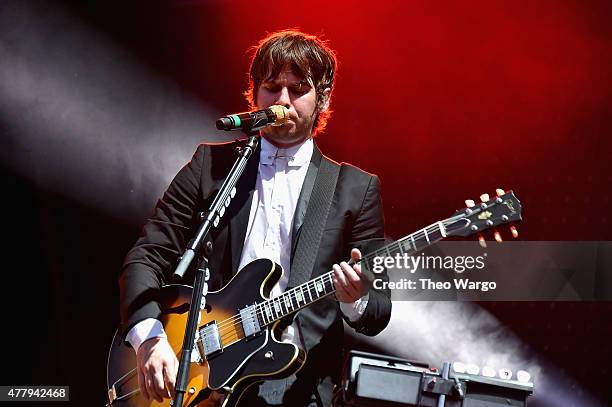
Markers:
(200, 288)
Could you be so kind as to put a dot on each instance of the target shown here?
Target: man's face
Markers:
(296, 94)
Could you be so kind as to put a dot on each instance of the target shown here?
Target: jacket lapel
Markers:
(304, 199)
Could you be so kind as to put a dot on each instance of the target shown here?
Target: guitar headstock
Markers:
(503, 208)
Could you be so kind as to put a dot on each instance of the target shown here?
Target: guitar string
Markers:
(328, 275)
(232, 324)
(237, 319)
(328, 285)
(234, 336)
(292, 296)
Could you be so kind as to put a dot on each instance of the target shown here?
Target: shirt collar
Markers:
(298, 155)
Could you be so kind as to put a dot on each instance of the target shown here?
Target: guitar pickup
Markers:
(250, 323)
(210, 341)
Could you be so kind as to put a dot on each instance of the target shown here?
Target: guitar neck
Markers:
(320, 287)
(410, 244)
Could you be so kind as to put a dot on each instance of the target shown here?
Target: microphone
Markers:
(250, 121)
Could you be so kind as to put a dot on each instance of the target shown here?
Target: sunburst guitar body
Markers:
(238, 362)
(237, 343)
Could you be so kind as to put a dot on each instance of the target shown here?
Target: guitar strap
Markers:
(314, 222)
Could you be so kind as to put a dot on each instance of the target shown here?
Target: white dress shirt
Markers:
(279, 182)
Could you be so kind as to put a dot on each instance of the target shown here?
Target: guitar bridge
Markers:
(210, 341)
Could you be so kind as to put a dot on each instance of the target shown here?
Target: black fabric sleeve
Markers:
(164, 236)
(368, 234)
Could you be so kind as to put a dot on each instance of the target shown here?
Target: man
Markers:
(265, 219)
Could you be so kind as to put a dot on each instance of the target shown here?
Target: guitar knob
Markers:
(192, 390)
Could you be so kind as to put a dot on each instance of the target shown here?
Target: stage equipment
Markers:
(372, 380)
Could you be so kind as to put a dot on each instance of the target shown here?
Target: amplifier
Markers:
(384, 381)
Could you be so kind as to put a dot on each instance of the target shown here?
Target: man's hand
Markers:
(157, 367)
(349, 281)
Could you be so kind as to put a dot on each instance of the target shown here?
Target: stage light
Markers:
(473, 369)
(488, 371)
(505, 373)
(523, 376)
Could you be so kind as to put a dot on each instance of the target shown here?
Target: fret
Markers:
(309, 293)
(330, 280)
(262, 314)
(299, 295)
(288, 302)
(406, 246)
(426, 235)
(283, 303)
(280, 305)
(435, 236)
(269, 311)
(442, 229)
(413, 242)
(401, 250)
(318, 287)
(276, 307)
(289, 295)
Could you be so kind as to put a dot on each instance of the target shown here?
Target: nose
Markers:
(283, 98)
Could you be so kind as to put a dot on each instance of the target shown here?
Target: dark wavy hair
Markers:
(306, 55)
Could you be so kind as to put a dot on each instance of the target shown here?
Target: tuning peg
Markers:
(497, 236)
(484, 197)
(469, 203)
(482, 241)
(514, 231)
(499, 192)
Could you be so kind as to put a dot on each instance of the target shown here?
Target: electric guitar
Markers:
(237, 337)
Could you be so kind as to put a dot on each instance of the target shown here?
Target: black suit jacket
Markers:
(355, 220)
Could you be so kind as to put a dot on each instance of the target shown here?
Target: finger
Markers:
(355, 254)
(340, 294)
(142, 385)
(344, 291)
(174, 372)
(351, 276)
(150, 386)
(169, 380)
(354, 282)
(340, 276)
(159, 385)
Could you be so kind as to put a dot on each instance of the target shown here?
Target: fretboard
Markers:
(410, 244)
(311, 291)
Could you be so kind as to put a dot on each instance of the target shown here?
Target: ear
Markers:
(325, 100)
